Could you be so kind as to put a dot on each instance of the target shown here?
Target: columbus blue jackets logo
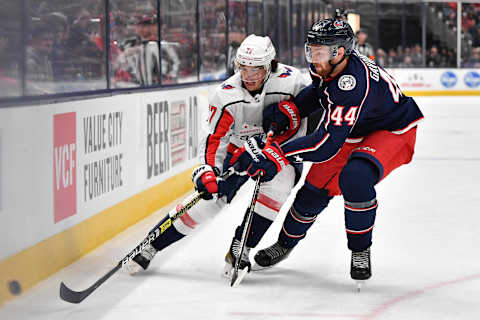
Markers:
(285, 74)
(227, 86)
(347, 82)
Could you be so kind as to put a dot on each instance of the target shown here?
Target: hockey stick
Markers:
(236, 277)
(72, 296)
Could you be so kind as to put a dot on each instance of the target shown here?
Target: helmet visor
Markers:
(251, 73)
(318, 53)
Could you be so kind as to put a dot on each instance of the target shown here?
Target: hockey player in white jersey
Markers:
(236, 115)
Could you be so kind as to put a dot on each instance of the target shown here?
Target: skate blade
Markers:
(241, 275)
(227, 271)
(257, 267)
(359, 284)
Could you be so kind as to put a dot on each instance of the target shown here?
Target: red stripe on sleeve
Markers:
(213, 141)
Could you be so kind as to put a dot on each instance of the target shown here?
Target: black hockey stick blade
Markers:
(72, 296)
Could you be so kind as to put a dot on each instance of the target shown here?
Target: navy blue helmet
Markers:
(331, 32)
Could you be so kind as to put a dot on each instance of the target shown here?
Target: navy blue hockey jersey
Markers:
(362, 99)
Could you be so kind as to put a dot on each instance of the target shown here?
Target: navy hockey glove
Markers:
(282, 117)
(204, 178)
(240, 160)
(229, 187)
(267, 161)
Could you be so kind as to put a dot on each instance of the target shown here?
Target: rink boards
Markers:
(75, 174)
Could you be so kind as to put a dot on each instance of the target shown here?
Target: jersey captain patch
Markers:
(347, 82)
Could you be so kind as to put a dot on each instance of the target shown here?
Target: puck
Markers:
(14, 287)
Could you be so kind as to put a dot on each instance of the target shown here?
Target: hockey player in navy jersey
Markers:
(368, 129)
(236, 115)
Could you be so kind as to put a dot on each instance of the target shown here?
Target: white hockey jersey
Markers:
(236, 116)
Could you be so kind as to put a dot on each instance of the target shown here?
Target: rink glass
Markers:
(62, 48)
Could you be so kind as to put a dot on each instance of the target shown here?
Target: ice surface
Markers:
(425, 254)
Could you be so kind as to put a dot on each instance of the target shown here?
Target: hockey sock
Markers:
(309, 202)
(359, 221)
(357, 181)
(258, 228)
(294, 228)
(169, 236)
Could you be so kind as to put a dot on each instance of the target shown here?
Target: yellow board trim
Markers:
(37, 263)
(443, 93)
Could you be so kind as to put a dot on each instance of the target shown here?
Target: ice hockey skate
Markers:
(360, 268)
(268, 257)
(142, 260)
(230, 259)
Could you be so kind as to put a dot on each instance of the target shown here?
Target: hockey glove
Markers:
(240, 160)
(204, 178)
(267, 161)
(282, 117)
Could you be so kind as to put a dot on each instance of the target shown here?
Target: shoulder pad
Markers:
(227, 92)
(285, 71)
(347, 82)
(347, 89)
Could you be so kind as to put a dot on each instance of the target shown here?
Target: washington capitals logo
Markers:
(227, 86)
(285, 74)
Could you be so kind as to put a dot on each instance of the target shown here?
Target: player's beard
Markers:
(323, 69)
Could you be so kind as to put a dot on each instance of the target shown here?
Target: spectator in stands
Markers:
(362, 46)
(60, 56)
(434, 60)
(39, 71)
(392, 58)
(416, 55)
(170, 62)
(99, 38)
(85, 59)
(79, 42)
(474, 60)
(407, 62)
(452, 58)
(140, 61)
(447, 60)
(475, 32)
(400, 55)
(381, 57)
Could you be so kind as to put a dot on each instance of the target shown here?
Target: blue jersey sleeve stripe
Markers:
(410, 126)
(329, 110)
(315, 147)
(367, 91)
